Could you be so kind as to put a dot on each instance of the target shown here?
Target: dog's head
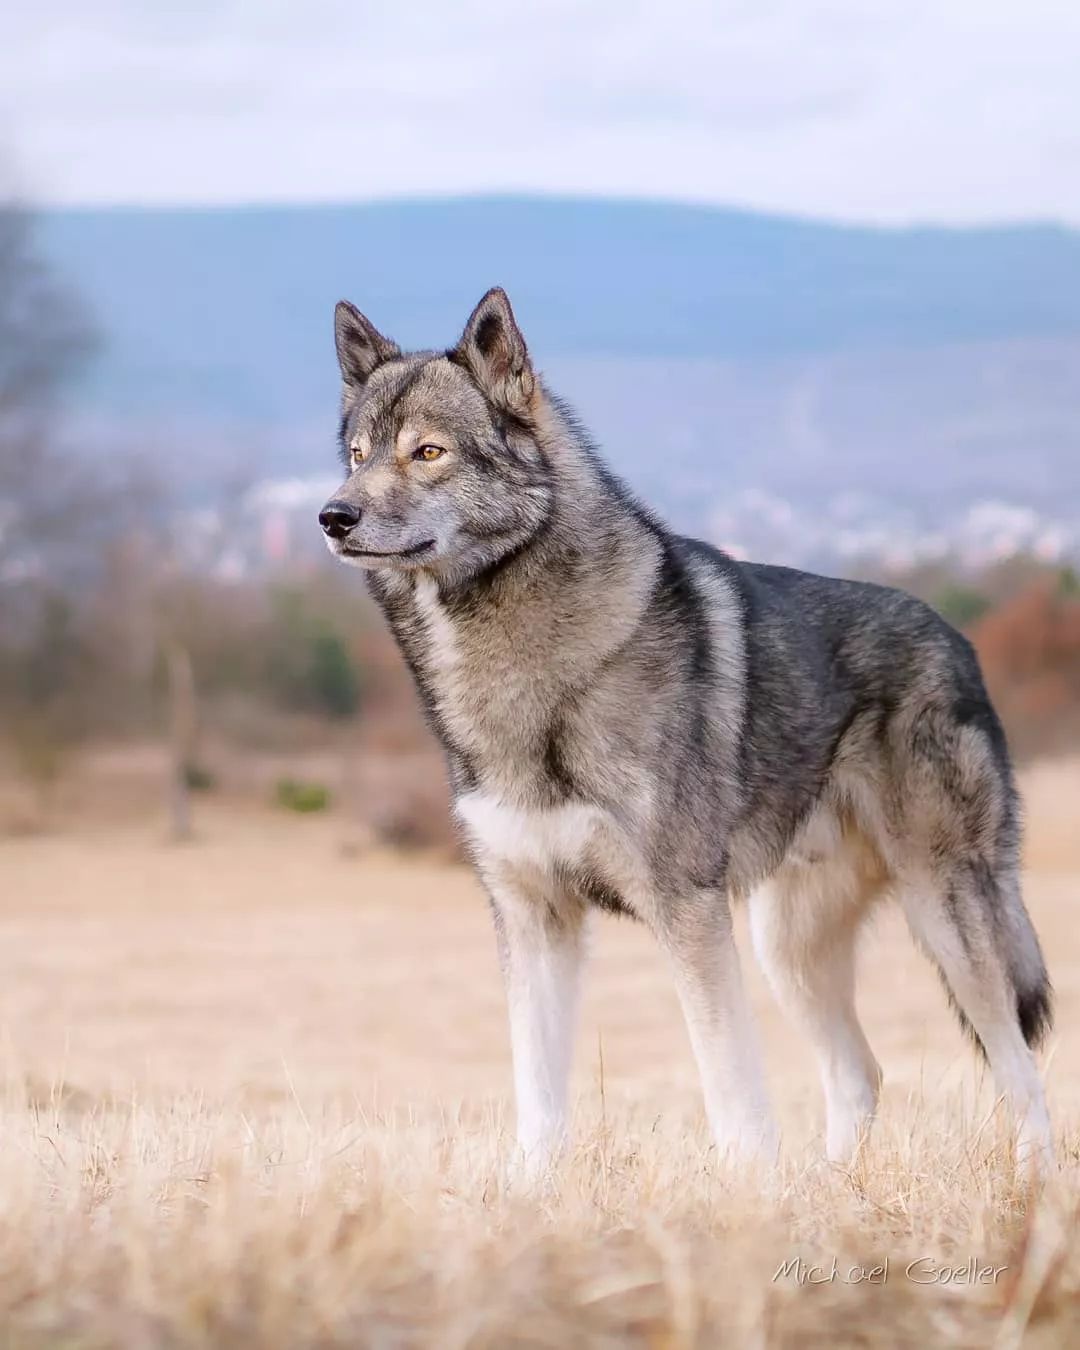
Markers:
(444, 468)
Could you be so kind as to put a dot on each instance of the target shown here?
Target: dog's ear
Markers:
(494, 352)
(360, 345)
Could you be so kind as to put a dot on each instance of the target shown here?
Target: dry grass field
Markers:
(255, 1094)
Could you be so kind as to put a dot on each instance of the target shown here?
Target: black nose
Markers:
(337, 518)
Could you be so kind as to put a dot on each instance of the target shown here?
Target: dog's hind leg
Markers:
(804, 924)
(973, 926)
(697, 937)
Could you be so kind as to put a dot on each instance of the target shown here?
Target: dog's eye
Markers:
(357, 454)
(427, 453)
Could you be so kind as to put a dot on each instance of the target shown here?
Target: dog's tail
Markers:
(1021, 956)
(979, 935)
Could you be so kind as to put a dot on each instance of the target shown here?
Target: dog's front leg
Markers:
(541, 946)
(697, 936)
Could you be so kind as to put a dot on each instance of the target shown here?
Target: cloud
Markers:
(905, 109)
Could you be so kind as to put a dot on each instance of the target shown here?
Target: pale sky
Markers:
(871, 110)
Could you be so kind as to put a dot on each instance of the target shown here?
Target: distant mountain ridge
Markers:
(713, 352)
(226, 311)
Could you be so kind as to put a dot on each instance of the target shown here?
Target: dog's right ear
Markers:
(360, 346)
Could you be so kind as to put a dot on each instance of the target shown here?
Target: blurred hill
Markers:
(864, 383)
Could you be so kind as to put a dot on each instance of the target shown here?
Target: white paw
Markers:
(758, 1141)
(1034, 1146)
(534, 1161)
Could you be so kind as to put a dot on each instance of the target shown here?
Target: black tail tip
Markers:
(1035, 1010)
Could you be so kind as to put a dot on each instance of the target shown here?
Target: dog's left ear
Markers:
(494, 352)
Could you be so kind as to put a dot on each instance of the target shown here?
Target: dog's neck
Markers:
(596, 548)
(496, 657)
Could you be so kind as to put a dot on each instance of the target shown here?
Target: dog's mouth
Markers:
(412, 552)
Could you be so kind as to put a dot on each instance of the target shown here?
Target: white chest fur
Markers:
(441, 637)
(565, 836)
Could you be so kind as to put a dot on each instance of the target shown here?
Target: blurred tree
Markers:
(44, 337)
(183, 733)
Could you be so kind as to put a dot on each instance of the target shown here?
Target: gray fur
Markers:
(634, 720)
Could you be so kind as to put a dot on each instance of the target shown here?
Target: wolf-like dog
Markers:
(636, 722)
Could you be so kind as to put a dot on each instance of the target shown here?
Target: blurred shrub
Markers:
(199, 779)
(400, 798)
(1030, 651)
(334, 682)
(46, 671)
(302, 797)
(408, 823)
(308, 667)
(41, 754)
(1068, 583)
(960, 605)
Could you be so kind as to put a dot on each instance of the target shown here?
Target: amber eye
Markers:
(357, 455)
(427, 453)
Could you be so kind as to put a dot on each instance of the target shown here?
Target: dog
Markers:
(636, 722)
